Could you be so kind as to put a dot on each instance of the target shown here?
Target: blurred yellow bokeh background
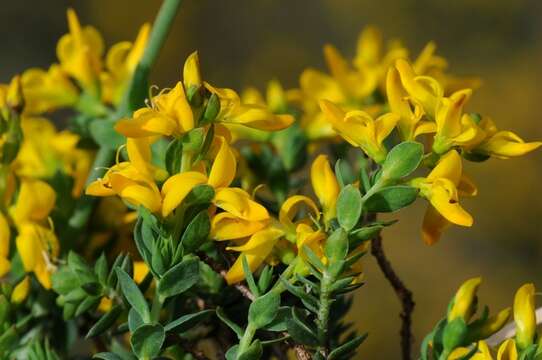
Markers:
(248, 42)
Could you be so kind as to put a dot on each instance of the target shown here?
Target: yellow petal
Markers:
(136, 193)
(251, 95)
(224, 166)
(444, 198)
(425, 90)
(20, 292)
(276, 97)
(384, 125)
(507, 351)
(145, 123)
(433, 226)
(237, 201)
(35, 202)
(524, 315)
(226, 226)
(491, 325)
(140, 271)
(448, 114)
(5, 236)
(369, 47)
(325, 185)
(5, 266)
(449, 167)
(463, 303)
(320, 86)
(291, 208)
(175, 105)
(177, 187)
(191, 71)
(256, 250)
(505, 144)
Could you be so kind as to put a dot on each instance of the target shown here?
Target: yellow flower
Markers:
(44, 151)
(236, 201)
(325, 186)
(442, 188)
(424, 89)
(463, 304)
(410, 124)
(170, 114)
(21, 290)
(360, 129)
(314, 240)
(79, 53)
(507, 351)
(133, 180)
(36, 244)
(255, 250)
(121, 62)
(49, 90)
(502, 144)
(255, 116)
(5, 236)
(291, 208)
(524, 315)
(453, 127)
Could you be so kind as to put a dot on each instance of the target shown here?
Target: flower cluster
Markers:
(166, 215)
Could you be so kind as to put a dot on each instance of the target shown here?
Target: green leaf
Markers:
(347, 348)
(391, 199)
(106, 356)
(104, 134)
(263, 309)
(402, 160)
(336, 247)
(64, 280)
(133, 295)
(174, 154)
(254, 351)
(226, 320)
(188, 321)
(105, 322)
(81, 269)
(349, 207)
(87, 304)
(231, 354)
(196, 232)
(279, 322)
(199, 195)
(134, 320)
(264, 281)
(300, 331)
(366, 233)
(249, 277)
(4, 309)
(179, 278)
(147, 340)
(101, 270)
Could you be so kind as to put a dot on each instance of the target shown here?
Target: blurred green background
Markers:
(247, 42)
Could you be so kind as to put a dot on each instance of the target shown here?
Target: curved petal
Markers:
(325, 185)
(5, 236)
(145, 123)
(433, 226)
(35, 202)
(507, 350)
(449, 167)
(524, 315)
(224, 166)
(226, 226)
(444, 198)
(505, 144)
(290, 209)
(191, 71)
(136, 193)
(177, 187)
(239, 203)
(320, 86)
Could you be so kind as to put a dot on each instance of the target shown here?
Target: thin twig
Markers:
(404, 295)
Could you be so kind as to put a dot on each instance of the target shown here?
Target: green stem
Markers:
(323, 312)
(246, 340)
(157, 303)
(131, 101)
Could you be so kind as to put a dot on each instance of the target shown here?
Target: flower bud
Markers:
(464, 303)
(524, 315)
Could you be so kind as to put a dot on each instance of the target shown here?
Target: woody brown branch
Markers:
(402, 292)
